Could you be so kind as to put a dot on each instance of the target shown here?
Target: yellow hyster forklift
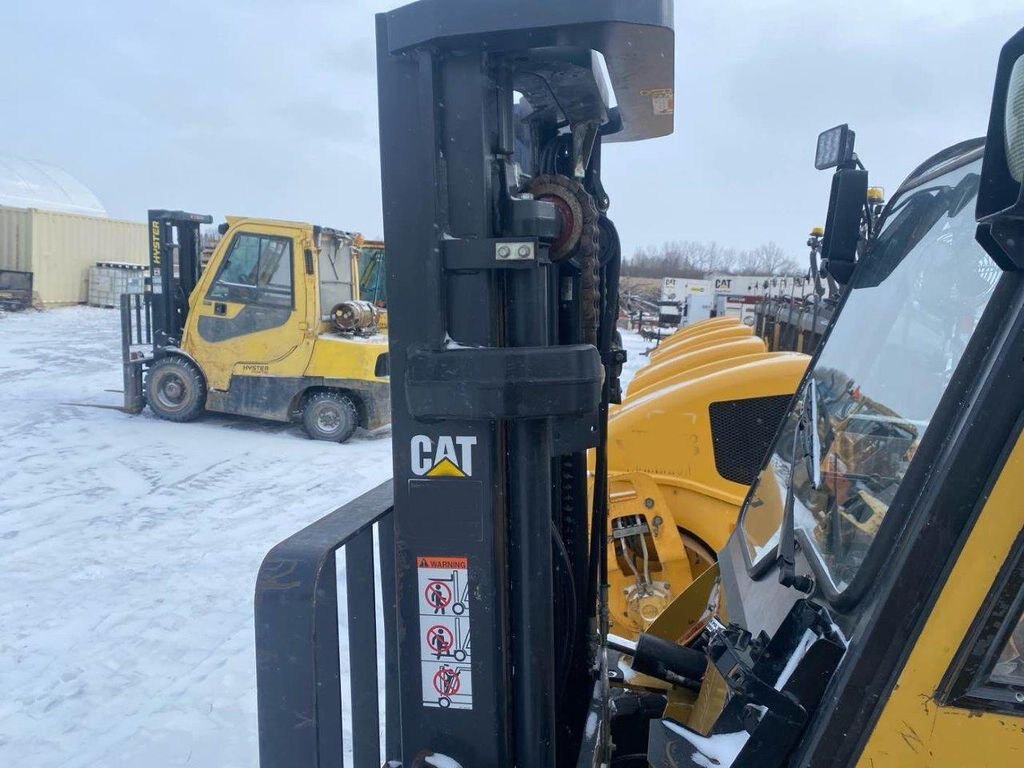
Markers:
(867, 609)
(272, 328)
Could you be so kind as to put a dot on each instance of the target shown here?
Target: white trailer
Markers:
(694, 296)
(761, 285)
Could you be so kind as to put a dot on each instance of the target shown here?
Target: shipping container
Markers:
(60, 248)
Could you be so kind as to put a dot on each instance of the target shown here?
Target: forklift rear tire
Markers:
(330, 416)
(175, 389)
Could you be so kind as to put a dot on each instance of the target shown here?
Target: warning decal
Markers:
(662, 100)
(442, 562)
(445, 655)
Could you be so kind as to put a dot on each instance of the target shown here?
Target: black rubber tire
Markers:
(330, 416)
(175, 389)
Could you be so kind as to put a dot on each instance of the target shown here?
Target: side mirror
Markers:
(842, 224)
(1000, 208)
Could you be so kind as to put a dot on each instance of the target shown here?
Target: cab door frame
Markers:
(967, 682)
(986, 410)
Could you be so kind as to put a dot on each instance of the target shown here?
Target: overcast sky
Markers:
(268, 108)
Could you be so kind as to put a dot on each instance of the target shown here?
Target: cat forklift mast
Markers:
(494, 118)
(272, 328)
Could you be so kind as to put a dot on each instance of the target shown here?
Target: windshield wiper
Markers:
(788, 576)
(812, 440)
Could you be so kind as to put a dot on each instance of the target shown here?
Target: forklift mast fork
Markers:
(175, 248)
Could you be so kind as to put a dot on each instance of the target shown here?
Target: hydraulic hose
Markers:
(611, 253)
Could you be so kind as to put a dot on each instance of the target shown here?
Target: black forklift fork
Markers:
(498, 391)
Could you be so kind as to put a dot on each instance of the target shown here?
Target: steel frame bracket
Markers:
(504, 382)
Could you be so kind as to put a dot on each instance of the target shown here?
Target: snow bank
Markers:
(716, 751)
(441, 761)
(130, 548)
(794, 661)
(625, 642)
(590, 728)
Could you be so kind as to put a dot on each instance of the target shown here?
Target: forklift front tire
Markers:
(175, 389)
(330, 416)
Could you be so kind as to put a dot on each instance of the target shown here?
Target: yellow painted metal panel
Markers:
(337, 357)
(916, 732)
(692, 357)
(694, 341)
(699, 327)
(65, 245)
(716, 364)
(665, 435)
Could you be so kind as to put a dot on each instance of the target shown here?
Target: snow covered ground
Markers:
(129, 549)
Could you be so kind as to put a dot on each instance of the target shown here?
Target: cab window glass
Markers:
(878, 382)
(335, 260)
(256, 270)
(1009, 666)
(275, 275)
(987, 672)
(241, 263)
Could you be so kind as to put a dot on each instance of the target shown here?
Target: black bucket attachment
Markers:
(15, 289)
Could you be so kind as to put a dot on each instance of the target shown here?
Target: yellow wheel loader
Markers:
(712, 335)
(682, 452)
(688, 357)
(701, 326)
(673, 461)
(272, 328)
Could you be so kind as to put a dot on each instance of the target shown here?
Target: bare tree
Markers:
(767, 259)
(646, 288)
(694, 259)
(680, 258)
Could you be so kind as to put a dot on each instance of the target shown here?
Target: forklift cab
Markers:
(257, 332)
(265, 297)
(372, 275)
(868, 609)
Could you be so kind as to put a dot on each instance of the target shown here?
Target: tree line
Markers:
(690, 258)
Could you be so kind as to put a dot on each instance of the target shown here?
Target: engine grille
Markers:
(742, 432)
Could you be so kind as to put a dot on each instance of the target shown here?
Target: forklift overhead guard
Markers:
(635, 37)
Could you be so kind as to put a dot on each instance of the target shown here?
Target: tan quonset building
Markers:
(53, 226)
